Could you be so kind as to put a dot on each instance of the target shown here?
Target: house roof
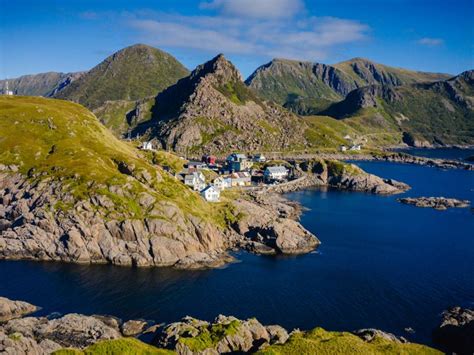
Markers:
(209, 187)
(277, 169)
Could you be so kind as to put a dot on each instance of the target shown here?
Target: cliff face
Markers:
(308, 88)
(213, 111)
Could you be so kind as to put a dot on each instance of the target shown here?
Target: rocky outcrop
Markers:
(267, 226)
(411, 159)
(455, 334)
(133, 327)
(438, 203)
(30, 229)
(224, 335)
(370, 334)
(14, 309)
(350, 177)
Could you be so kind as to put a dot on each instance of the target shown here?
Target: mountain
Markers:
(44, 84)
(212, 110)
(308, 88)
(132, 73)
(425, 114)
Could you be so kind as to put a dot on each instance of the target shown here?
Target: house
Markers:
(209, 159)
(241, 178)
(211, 194)
(195, 165)
(259, 158)
(6, 91)
(147, 145)
(196, 181)
(342, 148)
(275, 173)
(238, 162)
(222, 182)
(348, 137)
(355, 147)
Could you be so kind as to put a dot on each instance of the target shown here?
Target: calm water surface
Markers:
(441, 153)
(382, 264)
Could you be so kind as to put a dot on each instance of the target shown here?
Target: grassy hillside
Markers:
(424, 114)
(61, 141)
(320, 341)
(130, 74)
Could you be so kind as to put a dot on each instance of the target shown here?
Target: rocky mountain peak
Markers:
(219, 69)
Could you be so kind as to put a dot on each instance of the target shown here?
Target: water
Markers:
(382, 264)
(441, 153)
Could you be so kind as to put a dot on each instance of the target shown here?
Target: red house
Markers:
(209, 159)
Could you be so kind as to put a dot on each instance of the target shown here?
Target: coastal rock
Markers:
(14, 309)
(370, 334)
(224, 335)
(350, 177)
(267, 223)
(455, 334)
(133, 327)
(438, 203)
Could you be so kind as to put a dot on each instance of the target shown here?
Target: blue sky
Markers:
(73, 35)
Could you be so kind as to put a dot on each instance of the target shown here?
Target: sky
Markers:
(75, 35)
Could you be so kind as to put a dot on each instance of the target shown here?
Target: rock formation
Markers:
(455, 334)
(14, 309)
(438, 203)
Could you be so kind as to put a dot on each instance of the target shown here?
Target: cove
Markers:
(381, 264)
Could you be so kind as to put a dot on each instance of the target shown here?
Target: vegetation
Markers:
(123, 346)
(56, 140)
(209, 337)
(132, 73)
(320, 341)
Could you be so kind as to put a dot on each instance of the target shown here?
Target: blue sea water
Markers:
(381, 264)
(441, 153)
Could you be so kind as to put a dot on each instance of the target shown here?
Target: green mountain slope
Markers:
(440, 113)
(82, 195)
(44, 84)
(132, 73)
(308, 88)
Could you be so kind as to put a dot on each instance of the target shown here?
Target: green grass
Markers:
(320, 341)
(133, 73)
(124, 346)
(62, 141)
(209, 337)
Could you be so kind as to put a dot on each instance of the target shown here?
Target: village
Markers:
(210, 176)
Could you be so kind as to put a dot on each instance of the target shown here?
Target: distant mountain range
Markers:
(142, 90)
(44, 84)
(307, 88)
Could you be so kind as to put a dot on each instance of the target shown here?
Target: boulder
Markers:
(133, 327)
(14, 309)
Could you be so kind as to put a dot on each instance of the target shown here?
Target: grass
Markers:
(61, 141)
(209, 337)
(123, 346)
(320, 341)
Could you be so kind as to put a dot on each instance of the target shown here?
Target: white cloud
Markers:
(432, 42)
(308, 38)
(263, 9)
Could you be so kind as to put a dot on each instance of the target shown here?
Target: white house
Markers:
(211, 194)
(196, 180)
(277, 173)
(6, 91)
(348, 137)
(355, 147)
(147, 145)
(342, 148)
(222, 183)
